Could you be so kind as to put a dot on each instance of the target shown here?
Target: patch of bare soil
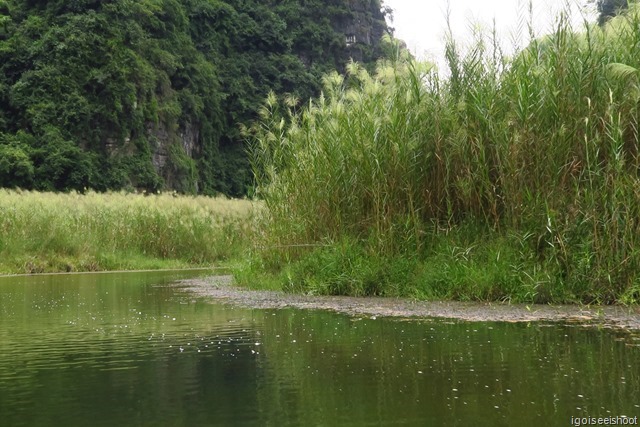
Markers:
(221, 289)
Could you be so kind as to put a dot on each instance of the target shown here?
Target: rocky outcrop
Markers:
(363, 30)
(187, 137)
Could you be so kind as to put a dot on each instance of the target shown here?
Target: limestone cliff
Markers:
(150, 94)
(363, 30)
(358, 27)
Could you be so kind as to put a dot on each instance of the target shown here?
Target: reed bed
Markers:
(47, 232)
(511, 179)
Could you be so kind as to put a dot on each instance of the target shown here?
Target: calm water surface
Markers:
(128, 349)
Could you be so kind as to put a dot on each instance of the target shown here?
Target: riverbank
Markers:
(51, 233)
(222, 289)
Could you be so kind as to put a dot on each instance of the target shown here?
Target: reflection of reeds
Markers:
(52, 232)
(539, 152)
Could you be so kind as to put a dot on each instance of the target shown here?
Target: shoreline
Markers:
(221, 289)
(148, 270)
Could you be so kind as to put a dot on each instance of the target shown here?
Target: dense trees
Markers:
(610, 8)
(150, 93)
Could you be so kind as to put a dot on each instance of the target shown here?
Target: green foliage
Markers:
(346, 268)
(537, 155)
(182, 170)
(94, 76)
(16, 167)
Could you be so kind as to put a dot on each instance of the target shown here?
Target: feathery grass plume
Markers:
(538, 152)
(44, 232)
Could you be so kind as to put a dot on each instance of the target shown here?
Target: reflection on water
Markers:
(126, 349)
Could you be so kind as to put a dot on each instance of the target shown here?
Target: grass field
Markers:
(46, 232)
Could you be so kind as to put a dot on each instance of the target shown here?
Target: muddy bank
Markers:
(221, 289)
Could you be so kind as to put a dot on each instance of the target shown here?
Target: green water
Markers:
(130, 350)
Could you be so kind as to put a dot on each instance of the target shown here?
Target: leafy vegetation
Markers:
(149, 94)
(46, 232)
(512, 179)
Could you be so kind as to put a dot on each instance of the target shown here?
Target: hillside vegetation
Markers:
(149, 94)
(513, 179)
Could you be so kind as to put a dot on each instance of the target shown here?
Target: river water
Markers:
(130, 349)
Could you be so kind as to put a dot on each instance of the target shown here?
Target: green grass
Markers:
(513, 179)
(47, 232)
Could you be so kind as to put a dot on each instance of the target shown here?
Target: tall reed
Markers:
(41, 232)
(538, 151)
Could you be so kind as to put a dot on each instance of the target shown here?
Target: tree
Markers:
(151, 93)
(16, 167)
(610, 8)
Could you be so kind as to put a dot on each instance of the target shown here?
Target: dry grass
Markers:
(70, 232)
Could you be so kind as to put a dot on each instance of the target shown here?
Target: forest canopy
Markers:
(149, 94)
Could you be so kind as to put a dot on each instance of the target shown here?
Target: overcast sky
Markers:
(421, 23)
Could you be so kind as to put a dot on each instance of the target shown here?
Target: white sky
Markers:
(422, 25)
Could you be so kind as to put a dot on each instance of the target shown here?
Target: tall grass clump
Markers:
(512, 178)
(45, 232)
